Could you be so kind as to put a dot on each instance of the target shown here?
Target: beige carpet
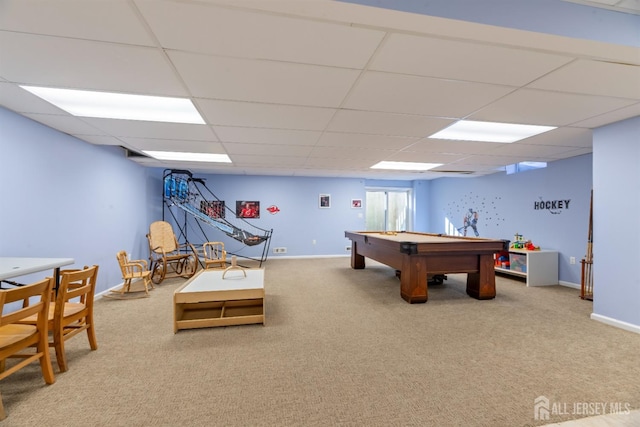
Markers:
(340, 347)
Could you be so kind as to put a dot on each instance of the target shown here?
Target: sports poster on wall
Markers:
(247, 209)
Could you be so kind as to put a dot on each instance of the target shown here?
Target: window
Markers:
(387, 210)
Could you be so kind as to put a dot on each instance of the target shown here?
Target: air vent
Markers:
(133, 154)
(456, 172)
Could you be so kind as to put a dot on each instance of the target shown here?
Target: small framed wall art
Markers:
(247, 209)
(356, 203)
(324, 200)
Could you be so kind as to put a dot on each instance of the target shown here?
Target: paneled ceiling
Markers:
(314, 88)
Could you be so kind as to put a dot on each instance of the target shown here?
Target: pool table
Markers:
(416, 255)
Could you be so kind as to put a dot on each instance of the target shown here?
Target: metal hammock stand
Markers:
(193, 197)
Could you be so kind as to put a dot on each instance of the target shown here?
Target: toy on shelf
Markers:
(520, 243)
(502, 260)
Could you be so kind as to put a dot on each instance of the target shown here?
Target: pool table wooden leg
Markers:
(413, 280)
(357, 260)
(482, 285)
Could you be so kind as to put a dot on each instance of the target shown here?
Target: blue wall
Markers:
(64, 198)
(616, 284)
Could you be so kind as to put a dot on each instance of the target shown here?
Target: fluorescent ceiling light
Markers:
(106, 105)
(406, 166)
(468, 130)
(188, 157)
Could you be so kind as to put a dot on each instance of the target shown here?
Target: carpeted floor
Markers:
(340, 347)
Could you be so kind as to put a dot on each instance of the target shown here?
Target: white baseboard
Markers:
(617, 323)
(308, 256)
(569, 284)
(100, 294)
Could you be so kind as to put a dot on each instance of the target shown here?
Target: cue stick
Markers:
(587, 272)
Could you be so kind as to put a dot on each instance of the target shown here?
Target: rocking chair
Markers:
(167, 257)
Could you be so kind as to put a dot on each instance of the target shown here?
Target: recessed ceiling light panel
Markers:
(468, 130)
(188, 157)
(406, 166)
(107, 105)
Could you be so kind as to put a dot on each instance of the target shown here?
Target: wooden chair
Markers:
(168, 258)
(17, 340)
(214, 255)
(72, 311)
(133, 270)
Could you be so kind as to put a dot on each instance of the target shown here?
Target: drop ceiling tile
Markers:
(436, 57)
(573, 153)
(623, 81)
(101, 139)
(151, 163)
(425, 157)
(266, 136)
(263, 81)
(341, 163)
(629, 5)
(82, 64)
(231, 113)
(268, 149)
(214, 30)
(444, 146)
(66, 124)
(266, 171)
(395, 93)
(350, 153)
(611, 117)
(89, 20)
(242, 160)
(174, 145)
(142, 129)
(222, 168)
(525, 151)
(460, 169)
(351, 140)
(312, 172)
(564, 136)
(539, 107)
(484, 161)
(377, 123)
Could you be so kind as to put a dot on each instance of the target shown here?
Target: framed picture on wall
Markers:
(247, 209)
(324, 200)
(356, 203)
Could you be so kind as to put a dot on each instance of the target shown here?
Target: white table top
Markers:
(234, 280)
(14, 267)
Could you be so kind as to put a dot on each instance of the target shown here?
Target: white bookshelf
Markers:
(542, 267)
